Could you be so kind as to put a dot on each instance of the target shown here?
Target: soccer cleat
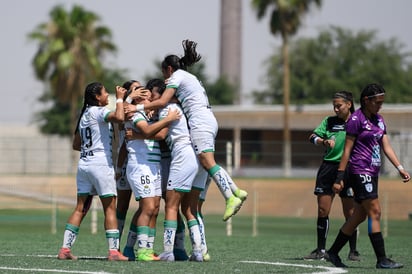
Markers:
(180, 254)
(316, 255)
(154, 255)
(66, 254)
(233, 205)
(354, 256)
(241, 194)
(128, 251)
(206, 256)
(196, 256)
(167, 256)
(144, 255)
(335, 260)
(116, 255)
(388, 264)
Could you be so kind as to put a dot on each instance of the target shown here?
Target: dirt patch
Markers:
(269, 197)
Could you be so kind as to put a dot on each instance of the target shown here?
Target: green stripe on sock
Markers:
(170, 224)
(152, 232)
(72, 228)
(112, 233)
(213, 170)
(192, 223)
(143, 230)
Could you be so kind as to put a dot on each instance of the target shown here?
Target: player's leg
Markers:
(189, 209)
(324, 202)
(72, 229)
(173, 199)
(348, 207)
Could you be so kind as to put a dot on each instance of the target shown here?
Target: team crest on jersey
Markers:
(369, 187)
(381, 125)
(146, 190)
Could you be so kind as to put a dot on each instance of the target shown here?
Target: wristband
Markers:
(339, 176)
(315, 140)
(129, 100)
(399, 168)
(119, 100)
(139, 107)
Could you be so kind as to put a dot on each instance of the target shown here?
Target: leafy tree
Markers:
(285, 19)
(70, 48)
(340, 59)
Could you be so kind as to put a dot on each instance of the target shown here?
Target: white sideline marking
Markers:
(329, 270)
(52, 270)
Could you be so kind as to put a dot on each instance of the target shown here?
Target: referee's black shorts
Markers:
(325, 178)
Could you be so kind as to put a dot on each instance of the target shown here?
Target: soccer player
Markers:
(124, 191)
(143, 173)
(95, 169)
(202, 122)
(365, 138)
(331, 134)
(183, 171)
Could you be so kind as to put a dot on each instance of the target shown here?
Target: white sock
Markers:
(142, 236)
(169, 235)
(112, 237)
(195, 235)
(222, 180)
(70, 235)
(151, 238)
(202, 234)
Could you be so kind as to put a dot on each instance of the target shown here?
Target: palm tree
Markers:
(285, 20)
(70, 49)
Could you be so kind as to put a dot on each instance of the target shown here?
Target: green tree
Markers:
(71, 46)
(285, 19)
(340, 59)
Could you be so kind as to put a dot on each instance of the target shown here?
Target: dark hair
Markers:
(127, 86)
(347, 96)
(190, 57)
(129, 83)
(370, 91)
(159, 83)
(90, 99)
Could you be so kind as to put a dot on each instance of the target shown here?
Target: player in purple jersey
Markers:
(365, 138)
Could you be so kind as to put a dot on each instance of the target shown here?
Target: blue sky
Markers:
(145, 31)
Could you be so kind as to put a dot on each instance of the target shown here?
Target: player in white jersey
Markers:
(202, 122)
(124, 191)
(95, 169)
(184, 169)
(143, 173)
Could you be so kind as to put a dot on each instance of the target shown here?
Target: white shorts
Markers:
(144, 179)
(93, 179)
(183, 168)
(203, 141)
(122, 183)
(199, 182)
(202, 195)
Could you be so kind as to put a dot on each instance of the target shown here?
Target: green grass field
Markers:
(29, 247)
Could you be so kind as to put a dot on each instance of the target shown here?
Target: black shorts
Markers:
(326, 178)
(364, 186)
